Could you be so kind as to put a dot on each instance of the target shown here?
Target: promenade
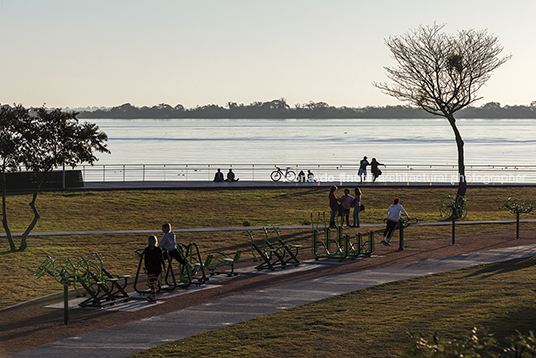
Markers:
(250, 184)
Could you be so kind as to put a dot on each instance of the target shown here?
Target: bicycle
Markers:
(288, 174)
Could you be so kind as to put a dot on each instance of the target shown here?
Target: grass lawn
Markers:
(126, 210)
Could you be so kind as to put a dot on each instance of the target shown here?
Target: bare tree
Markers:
(442, 73)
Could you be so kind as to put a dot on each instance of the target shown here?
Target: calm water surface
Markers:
(313, 141)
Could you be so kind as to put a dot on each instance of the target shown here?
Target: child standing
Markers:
(154, 262)
(346, 202)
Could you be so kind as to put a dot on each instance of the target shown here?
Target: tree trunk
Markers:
(462, 183)
(23, 241)
(12, 246)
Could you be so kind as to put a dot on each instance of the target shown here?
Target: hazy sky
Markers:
(77, 53)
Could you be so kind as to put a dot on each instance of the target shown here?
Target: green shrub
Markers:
(477, 345)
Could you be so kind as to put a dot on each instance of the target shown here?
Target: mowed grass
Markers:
(128, 210)
(375, 322)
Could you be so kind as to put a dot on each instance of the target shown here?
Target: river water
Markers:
(317, 141)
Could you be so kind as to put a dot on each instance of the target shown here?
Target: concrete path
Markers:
(127, 339)
(260, 184)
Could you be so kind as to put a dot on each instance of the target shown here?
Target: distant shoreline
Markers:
(279, 109)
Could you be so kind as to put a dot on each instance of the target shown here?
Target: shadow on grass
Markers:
(519, 319)
(504, 267)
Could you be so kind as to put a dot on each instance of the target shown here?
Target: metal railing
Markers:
(422, 174)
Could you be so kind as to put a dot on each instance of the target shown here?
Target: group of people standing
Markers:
(343, 205)
(374, 164)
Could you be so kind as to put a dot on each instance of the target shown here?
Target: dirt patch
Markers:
(29, 325)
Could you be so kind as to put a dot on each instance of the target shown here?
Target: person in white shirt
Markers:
(168, 243)
(393, 215)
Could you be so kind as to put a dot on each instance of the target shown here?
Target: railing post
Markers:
(143, 172)
(401, 235)
(186, 172)
(253, 172)
(123, 172)
(104, 173)
(65, 302)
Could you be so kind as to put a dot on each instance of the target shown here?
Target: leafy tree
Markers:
(40, 142)
(442, 73)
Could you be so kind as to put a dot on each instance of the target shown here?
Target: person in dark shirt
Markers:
(333, 205)
(218, 176)
(231, 176)
(154, 262)
(362, 172)
(376, 172)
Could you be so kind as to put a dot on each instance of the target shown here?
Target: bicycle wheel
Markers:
(276, 175)
(290, 175)
(445, 207)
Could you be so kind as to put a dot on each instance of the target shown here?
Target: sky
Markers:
(78, 53)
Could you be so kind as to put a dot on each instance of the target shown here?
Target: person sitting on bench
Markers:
(218, 176)
(231, 176)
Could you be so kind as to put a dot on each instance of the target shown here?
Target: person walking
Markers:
(376, 172)
(393, 215)
(154, 262)
(357, 206)
(333, 205)
(362, 172)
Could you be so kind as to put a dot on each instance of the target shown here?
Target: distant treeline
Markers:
(280, 109)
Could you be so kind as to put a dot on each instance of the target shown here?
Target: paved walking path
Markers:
(126, 339)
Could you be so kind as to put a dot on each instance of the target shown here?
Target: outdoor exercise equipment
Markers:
(193, 256)
(518, 207)
(340, 247)
(277, 255)
(453, 207)
(102, 287)
(402, 224)
(141, 267)
(222, 260)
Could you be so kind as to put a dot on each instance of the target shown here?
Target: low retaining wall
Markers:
(53, 180)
